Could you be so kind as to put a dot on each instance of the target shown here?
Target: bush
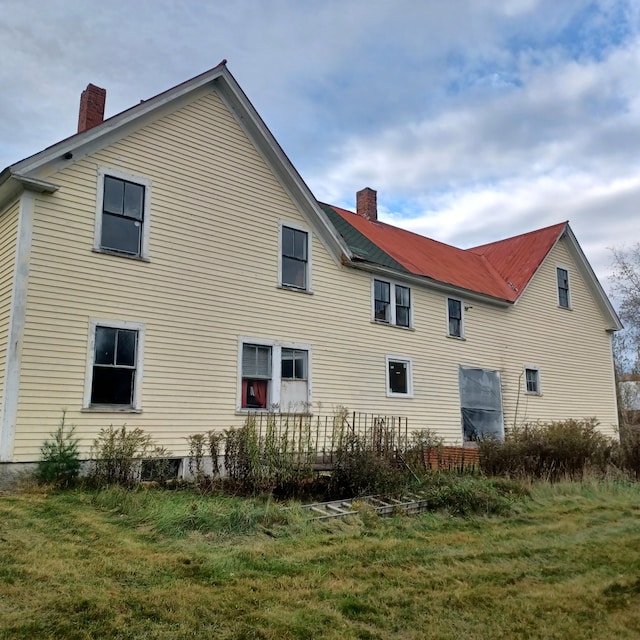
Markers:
(552, 451)
(362, 468)
(60, 462)
(629, 449)
(118, 453)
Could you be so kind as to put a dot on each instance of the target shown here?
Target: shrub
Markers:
(60, 461)
(361, 468)
(629, 449)
(551, 451)
(117, 454)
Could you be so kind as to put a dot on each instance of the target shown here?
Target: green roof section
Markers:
(359, 244)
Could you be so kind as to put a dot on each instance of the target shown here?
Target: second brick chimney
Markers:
(92, 103)
(367, 203)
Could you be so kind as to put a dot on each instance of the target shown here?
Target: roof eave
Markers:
(13, 184)
(430, 283)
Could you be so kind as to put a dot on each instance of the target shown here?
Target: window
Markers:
(294, 258)
(399, 377)
(563, 287)
(532, 380)
(454, 316)
(256, 375)
(480, 404)
(114, 367)
(397, 313)
(274, 376)
(122, 216)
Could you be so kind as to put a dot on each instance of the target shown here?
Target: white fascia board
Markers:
(249, 119)
(429, 283)
(112, 127)
(592, 280)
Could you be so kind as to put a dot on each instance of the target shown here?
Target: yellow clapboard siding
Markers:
(212, 276)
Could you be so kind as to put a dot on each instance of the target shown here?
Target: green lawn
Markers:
(563, 564)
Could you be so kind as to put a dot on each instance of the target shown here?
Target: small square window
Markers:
(532, 378)
(399, 377)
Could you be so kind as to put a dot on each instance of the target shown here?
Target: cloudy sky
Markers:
(473, 119)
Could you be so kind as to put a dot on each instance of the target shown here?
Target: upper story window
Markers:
(391, 303)
(122, 215)
(294, 258)
(115, 365)
(564, 299)
(454, 318)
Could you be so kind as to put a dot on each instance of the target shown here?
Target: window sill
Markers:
(120, 255)
(395, 326)
(309, 292)
(399, 395)
(459, 338)
(109, 408)
(564, 308)
(533, 393)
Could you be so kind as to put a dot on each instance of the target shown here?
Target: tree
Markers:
(625, 285)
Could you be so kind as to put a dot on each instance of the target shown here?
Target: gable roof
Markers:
(31, 172)
(499, 271)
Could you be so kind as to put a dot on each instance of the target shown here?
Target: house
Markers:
(168, 268)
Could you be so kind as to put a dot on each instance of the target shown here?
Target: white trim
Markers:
(17, 316)
(273, 401)
(568, 270)
(462, 332)
(146, 222)
(536, 368)
(392, 302)
(405, 360)
(137, 384)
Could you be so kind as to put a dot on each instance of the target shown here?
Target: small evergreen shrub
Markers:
(551, 451)
(60, 459)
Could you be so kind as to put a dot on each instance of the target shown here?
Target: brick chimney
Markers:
(92, 103)
(367, 203)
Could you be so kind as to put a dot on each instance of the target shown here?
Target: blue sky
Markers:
(473, 119)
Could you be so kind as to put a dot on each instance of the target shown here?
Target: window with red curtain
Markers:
(256, 374)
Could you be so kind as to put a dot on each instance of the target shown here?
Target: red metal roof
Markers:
(500, 269)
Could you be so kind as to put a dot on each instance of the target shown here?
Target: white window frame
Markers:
(146, 222)
(449, 334)
(298, 227)
(392, 303)
(401, 359)
(135, 406)
(536, 368)
(273, 401)
(565, 268)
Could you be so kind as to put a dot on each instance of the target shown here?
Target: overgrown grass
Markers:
(563, 564)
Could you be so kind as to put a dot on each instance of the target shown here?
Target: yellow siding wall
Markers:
(8, 240)
(212, 276)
